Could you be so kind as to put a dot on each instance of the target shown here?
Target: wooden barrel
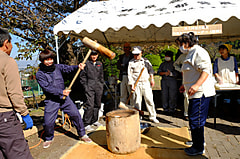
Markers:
(123, 131)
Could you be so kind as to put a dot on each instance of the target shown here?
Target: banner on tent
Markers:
(198, 29)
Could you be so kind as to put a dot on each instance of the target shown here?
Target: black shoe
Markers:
(166, 112)
(171, 113)
(192, 151)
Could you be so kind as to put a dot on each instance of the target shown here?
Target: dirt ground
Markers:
(60, 145)
(65, 137)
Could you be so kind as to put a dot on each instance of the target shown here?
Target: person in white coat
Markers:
(225, 67)
(199, 84)
(143, 88)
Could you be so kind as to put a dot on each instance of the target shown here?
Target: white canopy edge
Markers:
(125, 13)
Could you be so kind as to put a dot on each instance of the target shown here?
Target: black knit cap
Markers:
(94, 52)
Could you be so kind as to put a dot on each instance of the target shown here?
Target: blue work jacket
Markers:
(52, 83)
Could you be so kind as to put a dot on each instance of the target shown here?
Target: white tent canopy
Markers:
(150, 21)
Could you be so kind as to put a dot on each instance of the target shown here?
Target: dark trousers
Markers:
(12, 142)
(93, 104)
(51, 112)
(197, 113)
(169, 94)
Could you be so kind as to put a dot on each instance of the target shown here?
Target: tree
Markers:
(33, 21)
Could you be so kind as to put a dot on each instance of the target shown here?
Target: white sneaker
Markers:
(154, 120)
(46, 144)
(89, 128)
(97, 124)
(86, 139)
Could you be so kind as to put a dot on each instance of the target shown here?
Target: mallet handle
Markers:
(135, 85)
(78, 71)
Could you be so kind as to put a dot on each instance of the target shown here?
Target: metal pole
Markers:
(56, 40)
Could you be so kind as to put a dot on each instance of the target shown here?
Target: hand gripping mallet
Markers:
(94, 46)
(78, 71)
(123, 106)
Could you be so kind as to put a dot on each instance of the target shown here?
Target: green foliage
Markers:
(156, 54)
(166, 48)
(235, 44)
(155, 61)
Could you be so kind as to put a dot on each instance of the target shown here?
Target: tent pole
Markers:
(115, 86)
(56, 40)
(106, 40)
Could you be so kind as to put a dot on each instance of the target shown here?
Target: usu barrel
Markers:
(123, 131)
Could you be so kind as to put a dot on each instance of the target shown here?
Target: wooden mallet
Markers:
(78, 71)
(123, 106)
(98, 47)
(94, 46)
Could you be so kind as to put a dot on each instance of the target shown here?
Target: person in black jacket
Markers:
(122, 65)
(92, 80)
(168, 83)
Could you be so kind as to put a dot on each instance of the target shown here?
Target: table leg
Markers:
(215, 110)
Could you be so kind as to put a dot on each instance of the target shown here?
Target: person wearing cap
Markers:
(143, 88)
(12, 142)
(92, 80)
(168, 83)
(225, 67)
(122, 65)
(50, 79)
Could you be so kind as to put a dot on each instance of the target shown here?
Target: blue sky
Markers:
(14, 53)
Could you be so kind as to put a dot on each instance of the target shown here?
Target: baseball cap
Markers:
(137, 50)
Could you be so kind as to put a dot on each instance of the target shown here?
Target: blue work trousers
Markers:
(51, 112)
(197, 113)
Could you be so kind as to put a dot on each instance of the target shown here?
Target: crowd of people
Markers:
(194, 64)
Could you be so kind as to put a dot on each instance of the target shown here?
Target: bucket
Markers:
(123, 131)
